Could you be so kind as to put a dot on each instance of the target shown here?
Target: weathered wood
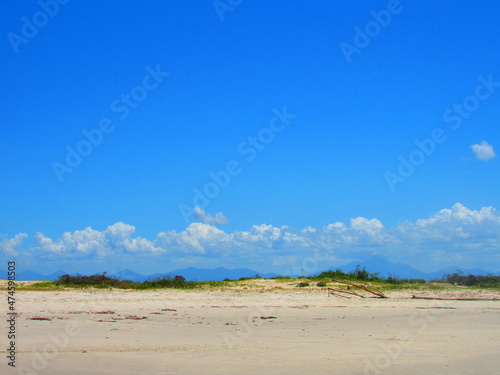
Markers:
(361, 286)
(338, 294)
(332, 290)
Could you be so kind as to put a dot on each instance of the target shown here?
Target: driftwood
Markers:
(371, 290)
(457, 299)
(379, 294)
(336, 294)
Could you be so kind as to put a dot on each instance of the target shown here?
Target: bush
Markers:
(358, 273)
(338, 274)
(321, 284)
(102, 281)
(363, 274)
(96, 281)
(166, 282)
(392, 279)
(303, 284)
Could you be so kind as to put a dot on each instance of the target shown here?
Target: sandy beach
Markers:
(287, 331)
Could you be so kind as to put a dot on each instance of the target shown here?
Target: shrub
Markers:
(363, 274)
(102, 281)
(166, 282)
(96, 281)
(303, 284)
(392, 279)
(357, 274)
(321, 284)
(338, 274)
(482, 281)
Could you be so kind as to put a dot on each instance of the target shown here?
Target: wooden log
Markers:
(338, 294)
(364, 287)
(456, 299)
(346, 291)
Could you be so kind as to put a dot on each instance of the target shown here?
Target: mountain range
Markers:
(373, 264)
(190, 274)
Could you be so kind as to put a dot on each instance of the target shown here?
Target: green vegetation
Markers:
(359, 275)
(104, 282)
(396, 280)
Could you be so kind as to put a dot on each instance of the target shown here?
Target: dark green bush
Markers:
(396, 280)
(102, 281)
(358, 274)
(482, 281)
(96, 281)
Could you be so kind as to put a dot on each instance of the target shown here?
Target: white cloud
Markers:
(483, 151)
(462, 233)
(90, 242)
(456, 223)
(203, 216)
(197, 238)
(119, 236)
(11, 246)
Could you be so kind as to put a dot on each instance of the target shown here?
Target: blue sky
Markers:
(313, 111)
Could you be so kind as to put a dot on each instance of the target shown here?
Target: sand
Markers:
(223, 332)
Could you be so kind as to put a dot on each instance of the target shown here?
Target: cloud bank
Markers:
(456, 236)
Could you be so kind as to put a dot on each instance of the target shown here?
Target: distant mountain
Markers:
(128, 275)
(54, 276)
(217, 274)
(29, 275)
(373, 264)
(386, 268)
(190, 274)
